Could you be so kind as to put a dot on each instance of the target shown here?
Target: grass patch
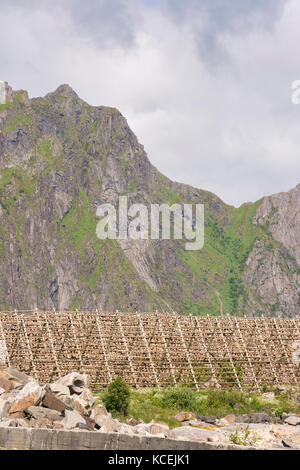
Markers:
(161, 405)
(13, 183)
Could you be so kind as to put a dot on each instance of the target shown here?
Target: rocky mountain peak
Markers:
(60, 158)
(64, 91)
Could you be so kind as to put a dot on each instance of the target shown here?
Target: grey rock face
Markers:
(60, 158)
(38, 412)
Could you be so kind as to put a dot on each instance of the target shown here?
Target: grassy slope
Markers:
(220, 264)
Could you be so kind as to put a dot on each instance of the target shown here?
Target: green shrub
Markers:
(219, 398)
(179, 397)
(117, 396)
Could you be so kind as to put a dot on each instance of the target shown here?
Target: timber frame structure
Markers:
(153, 349)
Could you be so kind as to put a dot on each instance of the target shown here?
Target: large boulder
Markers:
(126, 429)
(17, 378)
(230, 419)
(38, 412)
(98, 410)
(196, 434)
(256, 418)
(108, 424)
(208, 419)
(74, 402)
(88, 397)
(5, 384)
(153, 428)
(72, 419)
(75, 382)
(30, 395)
(183, 416)
(59, 389)
(52, 402)
(80, 405)
(293, 420)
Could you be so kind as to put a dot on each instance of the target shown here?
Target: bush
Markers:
(179, 397)
(220, 398)
(117, 396)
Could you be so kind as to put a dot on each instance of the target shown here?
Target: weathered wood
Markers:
(153, 349)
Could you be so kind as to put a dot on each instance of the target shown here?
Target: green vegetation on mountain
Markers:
(60, 158)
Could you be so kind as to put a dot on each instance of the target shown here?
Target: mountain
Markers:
(60, 158)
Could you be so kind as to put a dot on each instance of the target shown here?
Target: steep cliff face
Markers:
(273, 268)
(60, 158)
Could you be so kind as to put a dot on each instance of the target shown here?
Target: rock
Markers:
(126, 429)
(75, 382)
(133, 422)
(90, 423)
(287, 433)
(84, 427)
(2, 404)
(30, 395)
(194, 422)
(222, 422)
(42, 423)
(208, 419)
(57, 425)
(230, 419)
(99, 410)
(59, 389)
(2, 391)
(87, 396)
(237, 406)
(196, 434)
(256, 418)
(17, 376)
(80, 405)
(268, 396)
(15, 423)
(74, 402)
(52, 402)
(38, 412)
(5, 405)
(290, 445)
(6, 384)
(292, 420)
(10, 395)
(107, 423)
(153, 428)
(67, 400)
(9, 423)
(22, 423)
(101, 420)
(183, 416)
(72, 419)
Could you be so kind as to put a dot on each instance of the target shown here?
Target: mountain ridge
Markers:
(60, 158)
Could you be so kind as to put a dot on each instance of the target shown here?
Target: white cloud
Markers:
(228, 127)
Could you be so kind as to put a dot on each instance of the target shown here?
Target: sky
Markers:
(204, 84)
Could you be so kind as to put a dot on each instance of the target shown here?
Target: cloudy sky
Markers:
(205, 84)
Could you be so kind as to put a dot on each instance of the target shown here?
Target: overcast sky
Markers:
(205, 85)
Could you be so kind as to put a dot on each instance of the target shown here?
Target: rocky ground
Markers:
(69, 404)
